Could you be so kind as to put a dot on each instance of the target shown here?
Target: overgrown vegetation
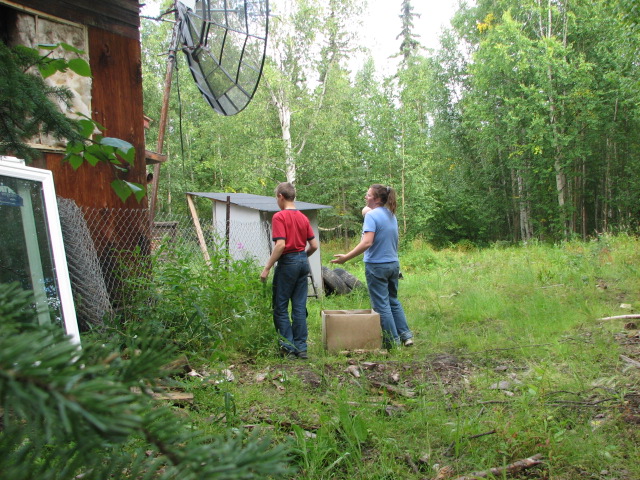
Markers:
(512, 359)
(203, 309)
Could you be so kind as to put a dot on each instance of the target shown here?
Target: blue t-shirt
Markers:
(385, 243)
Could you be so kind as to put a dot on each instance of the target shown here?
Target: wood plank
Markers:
(153, 158)
(117, 105)
(174, 397)
(118, 16)
(196, 222)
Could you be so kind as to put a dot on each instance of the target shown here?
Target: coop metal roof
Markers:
(255, 202)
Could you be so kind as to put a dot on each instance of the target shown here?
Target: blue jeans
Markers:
(290, 283)
(382, 282)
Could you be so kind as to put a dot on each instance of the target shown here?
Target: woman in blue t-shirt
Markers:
(379, 244)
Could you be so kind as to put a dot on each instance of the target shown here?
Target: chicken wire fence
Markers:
(97, 262)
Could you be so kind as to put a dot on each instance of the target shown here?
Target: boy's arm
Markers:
(278, 248)
(313, 246)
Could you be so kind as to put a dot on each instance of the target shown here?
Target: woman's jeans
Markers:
(382, 282)
(290, 283)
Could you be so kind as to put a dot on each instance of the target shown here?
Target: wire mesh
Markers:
(103, 246)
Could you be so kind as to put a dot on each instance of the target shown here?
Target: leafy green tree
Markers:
(524, 124)
(535, 103)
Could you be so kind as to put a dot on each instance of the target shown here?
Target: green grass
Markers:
(522, 318)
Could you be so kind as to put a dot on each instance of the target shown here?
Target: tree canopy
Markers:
(522, 125)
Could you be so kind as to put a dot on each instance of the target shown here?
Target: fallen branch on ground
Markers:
(509, 469)
(404, 392)
(621, 317)
(630, 361)
(411, 464)
(531, 345)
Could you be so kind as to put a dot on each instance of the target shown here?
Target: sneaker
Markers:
(303, 355)
(408, 342)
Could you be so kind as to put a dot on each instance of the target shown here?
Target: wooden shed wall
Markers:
(113, 38)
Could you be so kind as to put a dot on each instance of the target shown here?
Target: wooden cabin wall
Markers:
(116, 102)
(121, 17)
(118, 229)
(114, 55)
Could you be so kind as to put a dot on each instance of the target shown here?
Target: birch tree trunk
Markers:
(526, 232)
(560, 173)
(284, 114)
(296, 43)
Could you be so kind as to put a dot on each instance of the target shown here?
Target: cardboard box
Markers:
(351, 330)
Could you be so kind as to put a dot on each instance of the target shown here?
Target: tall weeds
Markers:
(205, 309)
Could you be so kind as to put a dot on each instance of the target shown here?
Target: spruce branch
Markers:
(71, 412)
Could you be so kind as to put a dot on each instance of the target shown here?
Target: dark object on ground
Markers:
(351, 281)
(333, 284)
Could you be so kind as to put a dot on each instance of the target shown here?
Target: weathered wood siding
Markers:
(116, 93)
(117, 105)
(121, 17)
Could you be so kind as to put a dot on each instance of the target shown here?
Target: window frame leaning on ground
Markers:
(15, 169)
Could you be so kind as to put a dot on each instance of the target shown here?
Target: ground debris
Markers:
(630, 408)
(178, 367)
(444, 473)
(353, 370)
(404, 392)
(630, 361)
(510, 469)
(504, 385)
(172, 395)
(620, 317)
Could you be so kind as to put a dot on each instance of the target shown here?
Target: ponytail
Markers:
(386, 195)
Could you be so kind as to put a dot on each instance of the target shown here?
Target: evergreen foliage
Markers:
(69, 411)
(28, 106)
(410, 44)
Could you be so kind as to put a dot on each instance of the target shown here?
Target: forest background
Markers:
(522, 125)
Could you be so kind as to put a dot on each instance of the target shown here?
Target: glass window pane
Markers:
(25, 247)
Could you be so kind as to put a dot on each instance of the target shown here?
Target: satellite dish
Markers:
(225, 42)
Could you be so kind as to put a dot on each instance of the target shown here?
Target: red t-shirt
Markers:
(294, 227)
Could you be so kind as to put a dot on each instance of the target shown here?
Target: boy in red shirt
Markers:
(291, 232)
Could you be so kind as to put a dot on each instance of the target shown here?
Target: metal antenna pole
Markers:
(171, 61)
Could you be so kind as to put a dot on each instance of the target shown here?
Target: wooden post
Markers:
(196, 222)
(162, 127)
(227, 230)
